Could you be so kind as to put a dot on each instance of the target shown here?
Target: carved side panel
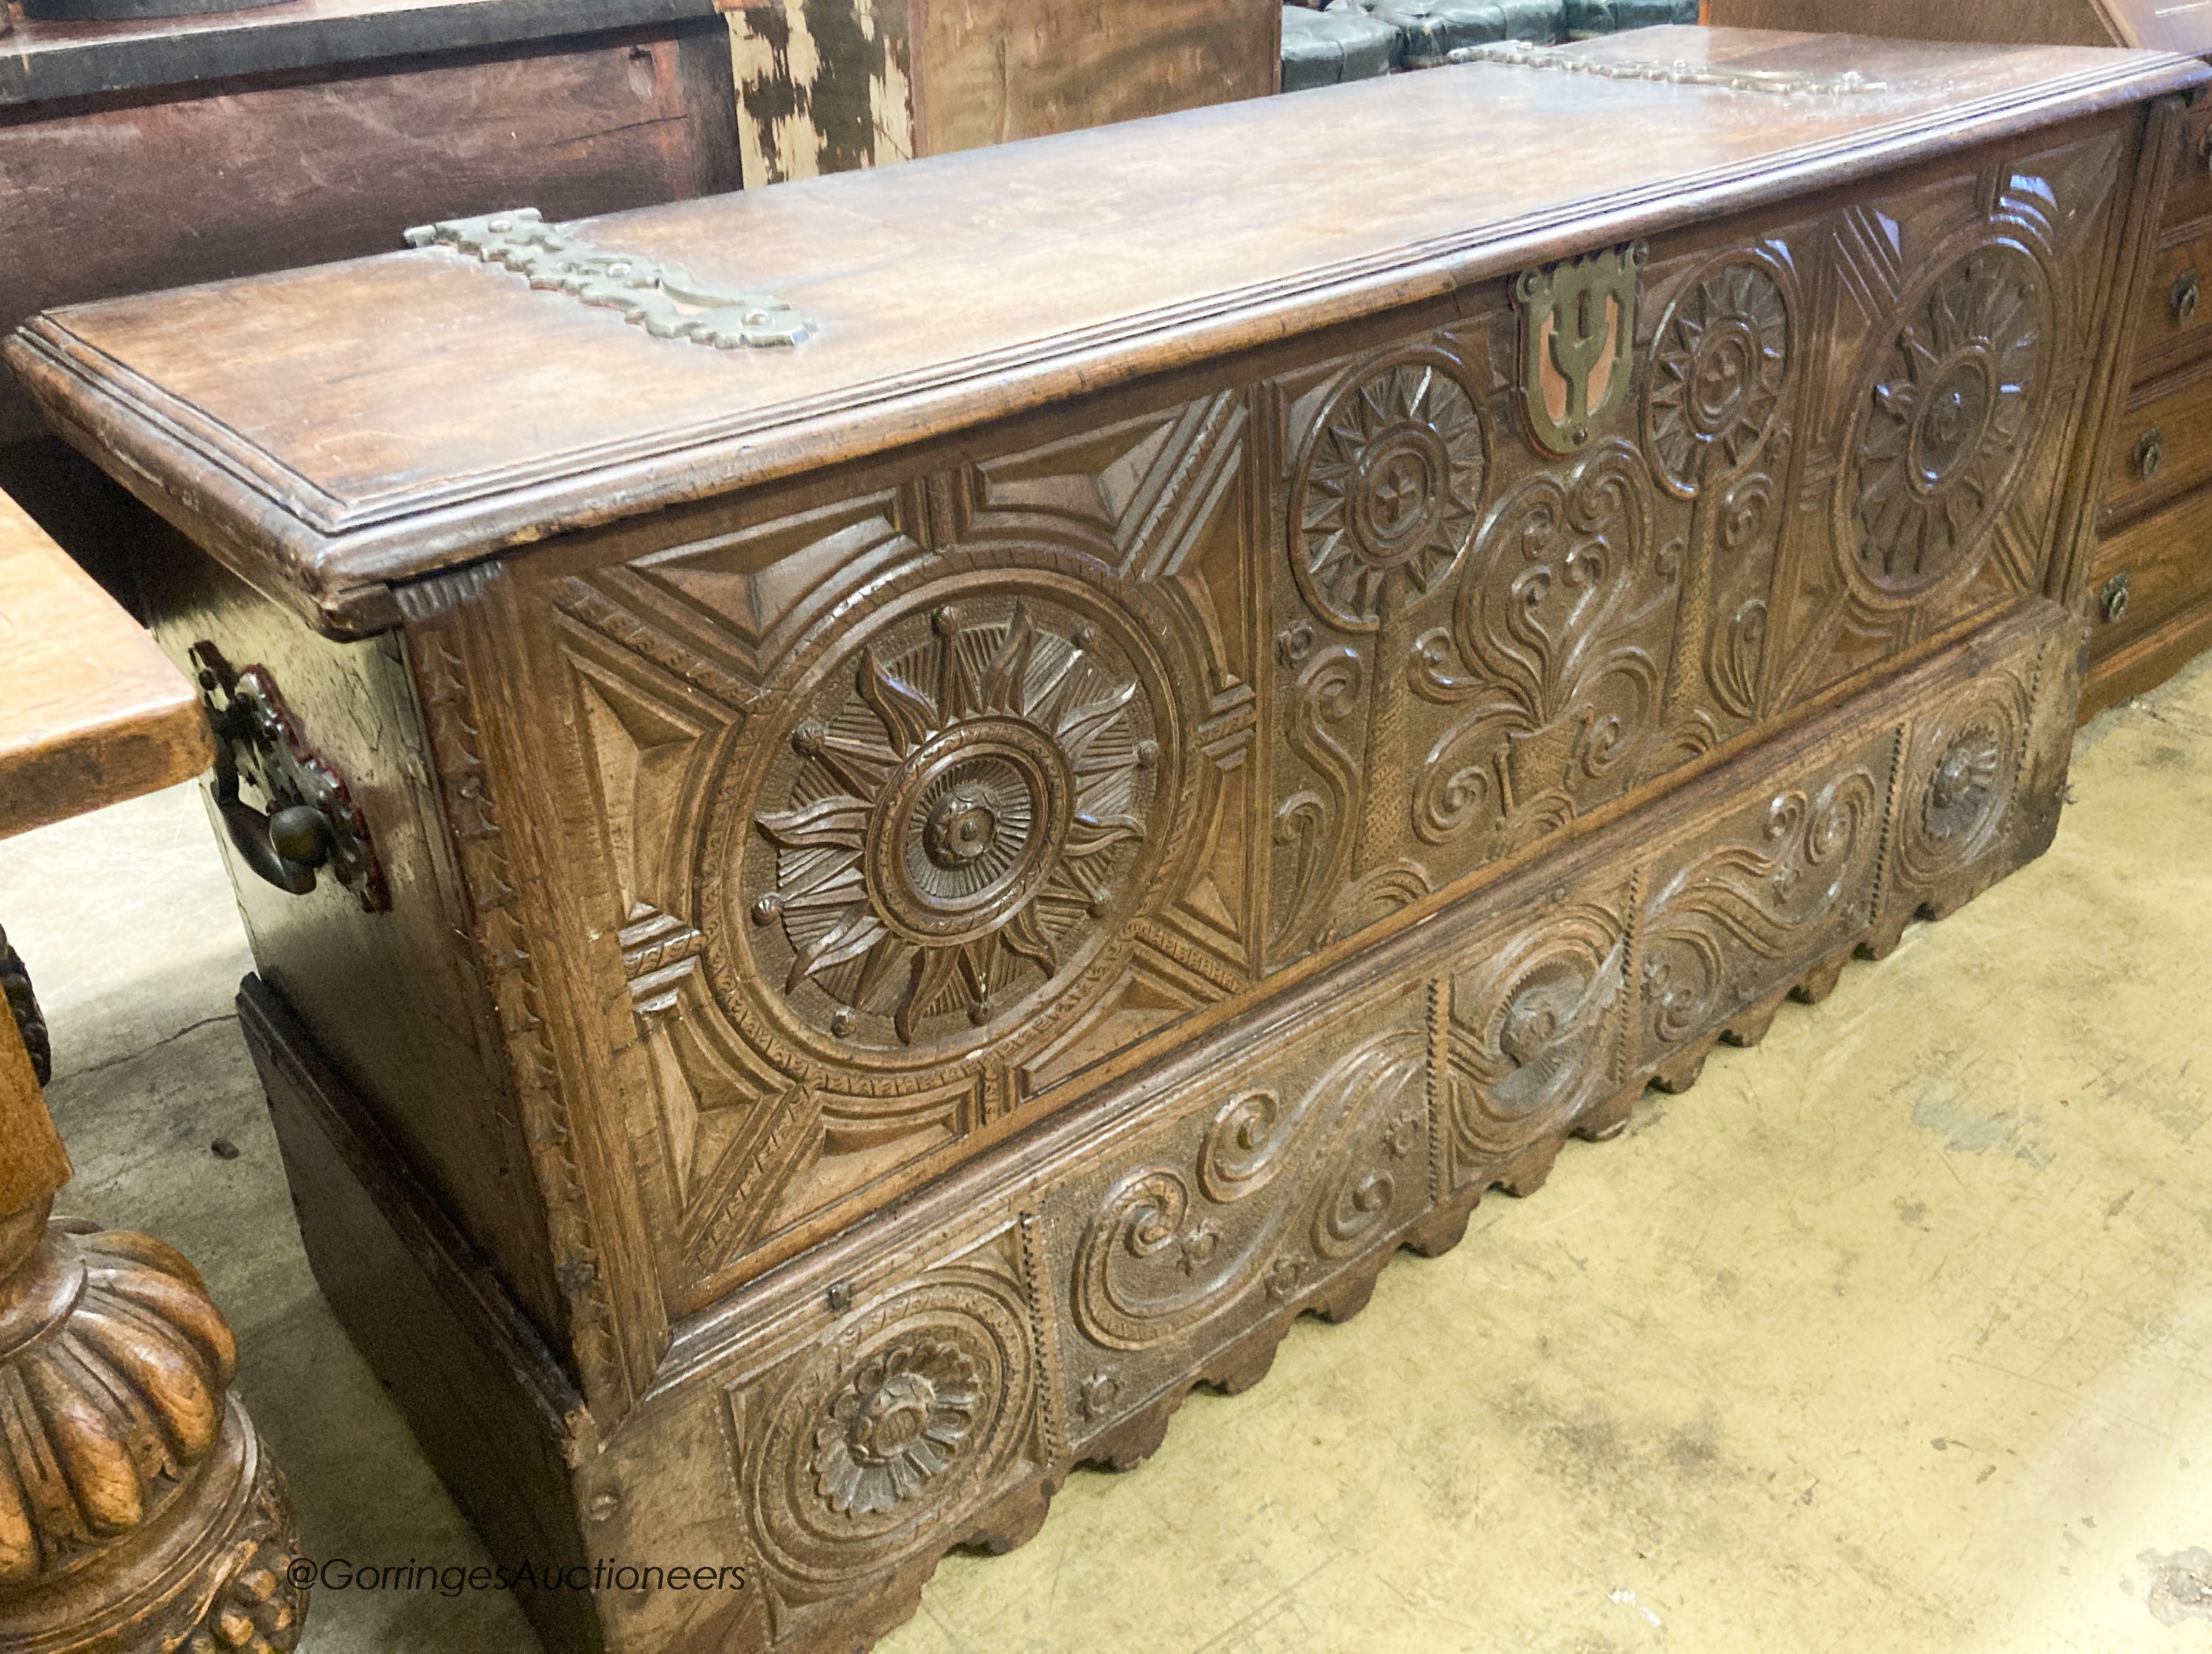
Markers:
(921, 805)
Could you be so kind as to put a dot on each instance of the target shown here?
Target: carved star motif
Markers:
(958, 815)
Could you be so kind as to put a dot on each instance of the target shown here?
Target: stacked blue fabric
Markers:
(1352, 40)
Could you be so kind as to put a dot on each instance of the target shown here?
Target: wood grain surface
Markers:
(989, 284)
(117, 195)
(94, 713)
(2166, 25)
(46, 61)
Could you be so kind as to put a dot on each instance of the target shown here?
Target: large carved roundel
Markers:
(1947, 419)
(1391, 488)
(957, 814)
(1719, 366)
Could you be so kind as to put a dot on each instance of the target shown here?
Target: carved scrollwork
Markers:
(1557, 650)
(894, 1427)
(1537, 1030)
(1720, 365)
(1391, 487)
(1278, 1188)
(1717, 930)
(1964, 769)
(1942, 431)
(968, 814)
(1750, 521)
(1315, 826)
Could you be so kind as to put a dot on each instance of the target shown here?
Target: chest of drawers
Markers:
(887, 819)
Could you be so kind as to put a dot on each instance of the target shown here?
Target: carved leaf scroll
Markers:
(1556, 655)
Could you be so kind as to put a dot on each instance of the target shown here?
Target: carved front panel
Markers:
(921, 804)
(924, 805)
(1057, 1310)
(1835, 438)
(1267, 1180)
(1764, 894)
(1961, 323)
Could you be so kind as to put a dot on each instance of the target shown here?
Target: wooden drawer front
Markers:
(2165, 564)
(2177, 312)
(2161, 449)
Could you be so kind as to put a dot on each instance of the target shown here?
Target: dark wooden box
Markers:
(892, 901)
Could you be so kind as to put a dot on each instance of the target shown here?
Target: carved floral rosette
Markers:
(949, 819)
(1721, 362)
(1944, 419)
(875, 1444)
(1391, 487)
(1961, 777)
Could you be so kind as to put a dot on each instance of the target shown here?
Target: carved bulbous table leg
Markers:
(138, 1513)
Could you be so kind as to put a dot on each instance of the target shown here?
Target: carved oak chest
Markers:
(885, 820)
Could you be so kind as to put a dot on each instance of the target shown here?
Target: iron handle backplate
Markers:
(2187, 297)
(311, 824)
(2149, 454)
(2113, 600)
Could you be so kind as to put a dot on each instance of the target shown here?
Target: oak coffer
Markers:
(887, 819)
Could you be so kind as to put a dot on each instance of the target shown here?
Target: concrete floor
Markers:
(1894, 1334)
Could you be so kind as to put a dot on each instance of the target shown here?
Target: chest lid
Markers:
(332, 432)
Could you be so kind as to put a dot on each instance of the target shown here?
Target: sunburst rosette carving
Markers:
(959, 816)
(880, 1440)
(1391, 488)
(1720, 363)
(1945, 423)
(1965, 768)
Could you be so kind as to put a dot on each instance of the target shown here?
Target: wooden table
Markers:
(136, 1504)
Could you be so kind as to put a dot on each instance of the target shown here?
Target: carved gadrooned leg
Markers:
(139, 1513)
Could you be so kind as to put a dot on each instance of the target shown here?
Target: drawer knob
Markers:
(2188, 292)
(2113, 600)
(2150, 456)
